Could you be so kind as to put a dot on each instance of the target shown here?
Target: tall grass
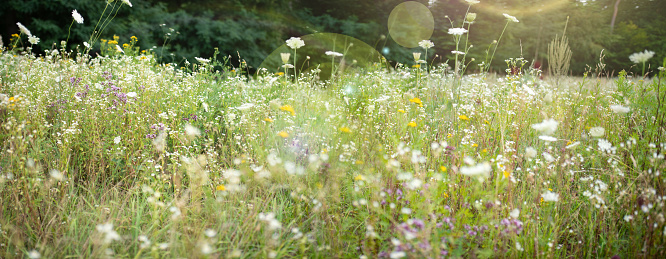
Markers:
(359, 169)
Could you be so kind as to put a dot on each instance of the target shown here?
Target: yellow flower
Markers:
(486, 121)
(506, 174)
(345, 129)
(463, 117)
(416, 100)
(283, 134)
(279, 73)
(571, 142)
(416, 66)
(116, 38)
(125, 45)
(359, 162)
(475, 145)
(359, 178)
(268, 119)
(113, 42)
(401, 111)
(411, 124)
(484, 150)
(133, 38)
(221, 187)
(15, 35)
(449, 135)
(443, 169)
(103, 40)
(288, 108)
(445, 195)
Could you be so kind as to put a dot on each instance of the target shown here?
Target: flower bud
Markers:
(470, 17)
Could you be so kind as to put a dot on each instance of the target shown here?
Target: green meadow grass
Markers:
(119, 156)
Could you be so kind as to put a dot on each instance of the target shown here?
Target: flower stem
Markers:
(498, 42)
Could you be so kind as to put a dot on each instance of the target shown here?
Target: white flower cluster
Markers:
(77, 17)
(596, 197)
(547, 127)
(333, 53)
(457, 31)
(295, 43)
(597, 132)
(233, 178)
(620, 109)
(641, 57)
(510, 18)
(272, 223)
(481, 170)
(23, 29)
(550, 196)
(108, 232)
(426, 44)
(202, 60)
(605, 146)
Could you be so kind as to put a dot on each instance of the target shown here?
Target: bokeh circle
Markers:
(409, 23)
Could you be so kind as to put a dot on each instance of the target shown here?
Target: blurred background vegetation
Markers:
(252, 29)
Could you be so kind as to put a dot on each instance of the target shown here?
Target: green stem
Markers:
(498, 42)
(92, 38)
(295, 70)
(68, 31)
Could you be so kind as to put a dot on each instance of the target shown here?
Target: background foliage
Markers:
(252, 29)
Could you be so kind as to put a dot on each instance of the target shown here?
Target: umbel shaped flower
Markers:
(295, 43)
(641, 57)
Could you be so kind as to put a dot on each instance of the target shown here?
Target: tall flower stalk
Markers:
(76, 17)
(509, 19)
(97, 34)
(641, 57)
(295, 43)
(426, 44)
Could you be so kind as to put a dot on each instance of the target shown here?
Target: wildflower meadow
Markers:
(107, 152)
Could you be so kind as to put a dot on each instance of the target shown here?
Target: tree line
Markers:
(251, 29)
